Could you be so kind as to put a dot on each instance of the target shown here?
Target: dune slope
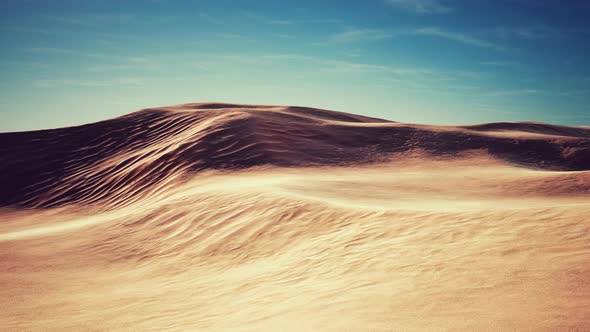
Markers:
(120, 160)
(220, 217)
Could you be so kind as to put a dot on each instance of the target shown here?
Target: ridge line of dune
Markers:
(116, 162)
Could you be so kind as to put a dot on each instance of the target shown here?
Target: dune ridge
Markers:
(115, 162)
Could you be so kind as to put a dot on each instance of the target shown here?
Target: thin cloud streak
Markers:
(266, 19)
(456, 37)
(420, 6)
(532, 32)
(499, 63)
(360, 35)
(513, 92)
(337, 65)
(123, 82)
(368, 34)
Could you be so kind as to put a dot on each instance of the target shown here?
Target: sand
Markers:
(217, 217)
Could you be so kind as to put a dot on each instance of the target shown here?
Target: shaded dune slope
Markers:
(117, 161)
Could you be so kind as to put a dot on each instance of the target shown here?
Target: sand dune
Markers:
(224, 217)
(117, 161)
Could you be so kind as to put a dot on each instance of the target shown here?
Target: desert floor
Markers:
(468, 243)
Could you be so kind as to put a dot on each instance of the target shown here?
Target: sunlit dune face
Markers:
(217, 219)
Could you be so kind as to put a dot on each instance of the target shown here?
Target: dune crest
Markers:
(115, 162)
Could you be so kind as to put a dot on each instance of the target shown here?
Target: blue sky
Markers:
(425, 61)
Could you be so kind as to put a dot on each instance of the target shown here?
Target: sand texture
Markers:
(221, 217)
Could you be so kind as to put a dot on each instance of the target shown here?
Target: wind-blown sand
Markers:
(218, 217)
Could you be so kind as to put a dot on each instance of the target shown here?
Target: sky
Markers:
(65, 63)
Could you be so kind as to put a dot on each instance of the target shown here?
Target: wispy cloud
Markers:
(421, 6)
(267, 19)
(499, 63)
(407, 74)
(278, 22)
(531, 32)
(52, 50)
(235, 36)
(288, 56)
(100, 62)
(122, 82)
(98, 20)
(322, 20)
(330, 64)
(513, 92)
(476, 75)
(519, 92)
(92, 20)
(125, 63)
(575, 93)
(346, 66)
(360, 35)
(538, 32)
(456, 37)
(96, 35)
(368, 34)
(282, 35)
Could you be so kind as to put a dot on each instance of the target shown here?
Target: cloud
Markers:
(124, 63)
(430, 75)
(420, 6)
(93, 19)
(538, 32)
(51, 50)
(287, 56)
(278, 22)
(499, 63)
(234, 36)
(101, 62)
(476, 75)
(513, 92)
(323, 20)
(575, 93)
(98, 20)
(457, 37)
(360, 35)
(364, 35)
(346, 66)
(518, 92)
(266, 19)
(282, 35)
(121, 82)
(69, 32)
(329, 64)
(527, 32)
(336, 65)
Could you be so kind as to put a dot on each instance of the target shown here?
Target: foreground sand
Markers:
(413, 241)
(441, 246)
